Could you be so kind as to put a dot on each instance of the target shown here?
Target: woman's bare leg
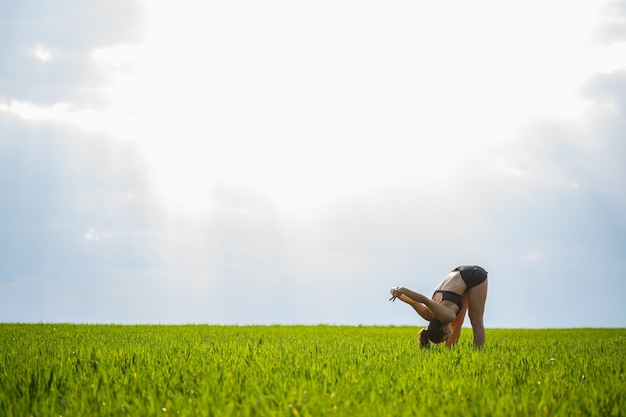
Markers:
(477, 298)
(457, 324)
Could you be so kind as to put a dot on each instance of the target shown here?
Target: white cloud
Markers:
(260, 96)
(58, 112)
(42, 53)
(614, 22)
(116, 55)
(91, 234)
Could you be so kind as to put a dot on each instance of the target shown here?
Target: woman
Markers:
(462, 290)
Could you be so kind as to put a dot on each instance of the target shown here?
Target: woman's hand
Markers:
(395, 293)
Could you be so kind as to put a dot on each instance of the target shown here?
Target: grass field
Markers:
(108, 370)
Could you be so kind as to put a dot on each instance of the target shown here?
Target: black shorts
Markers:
(472, 275)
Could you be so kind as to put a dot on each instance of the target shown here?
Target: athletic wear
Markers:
(451, 296)
(472, 275)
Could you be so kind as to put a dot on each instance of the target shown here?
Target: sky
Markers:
(283, 162)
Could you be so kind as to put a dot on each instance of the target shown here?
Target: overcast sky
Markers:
(261, 162)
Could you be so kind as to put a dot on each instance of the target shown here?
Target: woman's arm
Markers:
(420, 308)
(443, 313)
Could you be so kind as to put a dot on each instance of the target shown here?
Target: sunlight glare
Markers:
(226, 93)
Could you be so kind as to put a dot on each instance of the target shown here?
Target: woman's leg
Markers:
(477, 297)
(458, 323)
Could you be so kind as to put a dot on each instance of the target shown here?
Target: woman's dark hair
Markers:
(434, 333)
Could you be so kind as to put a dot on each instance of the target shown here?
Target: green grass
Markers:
(107, 370)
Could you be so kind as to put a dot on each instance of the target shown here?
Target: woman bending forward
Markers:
(463, 289)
